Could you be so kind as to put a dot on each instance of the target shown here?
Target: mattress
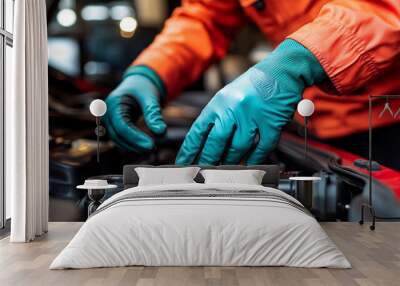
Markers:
(201, 225)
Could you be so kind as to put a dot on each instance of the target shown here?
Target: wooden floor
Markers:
(375, 257)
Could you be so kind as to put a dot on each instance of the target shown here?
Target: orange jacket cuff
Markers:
(349, 66)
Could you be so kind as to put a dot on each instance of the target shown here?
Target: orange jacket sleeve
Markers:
(355, 41)
(198, 33)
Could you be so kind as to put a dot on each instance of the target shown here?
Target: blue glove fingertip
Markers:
(159, 128)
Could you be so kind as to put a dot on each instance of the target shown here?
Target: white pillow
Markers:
(248, 177)
(166, 176)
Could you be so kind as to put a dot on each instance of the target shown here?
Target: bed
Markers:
(201, 224)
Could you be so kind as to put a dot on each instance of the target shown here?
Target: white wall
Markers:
(7, 94)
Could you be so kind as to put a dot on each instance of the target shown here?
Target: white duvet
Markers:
(200, 231)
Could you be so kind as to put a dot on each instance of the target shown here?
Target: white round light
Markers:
(98, 107)
(128, 24)
(66, 17)
(305, 107)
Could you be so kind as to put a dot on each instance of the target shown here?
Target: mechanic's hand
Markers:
(261, 101)
(134, 94)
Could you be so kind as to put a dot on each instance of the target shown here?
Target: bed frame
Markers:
(270, 179)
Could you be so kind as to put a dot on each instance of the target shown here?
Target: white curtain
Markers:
(27, 123)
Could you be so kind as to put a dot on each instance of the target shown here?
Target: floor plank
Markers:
(375, 257)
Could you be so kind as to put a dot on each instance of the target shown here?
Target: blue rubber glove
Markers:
(137, 94)
(259, 102)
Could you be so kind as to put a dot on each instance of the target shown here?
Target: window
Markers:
(6, 43)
